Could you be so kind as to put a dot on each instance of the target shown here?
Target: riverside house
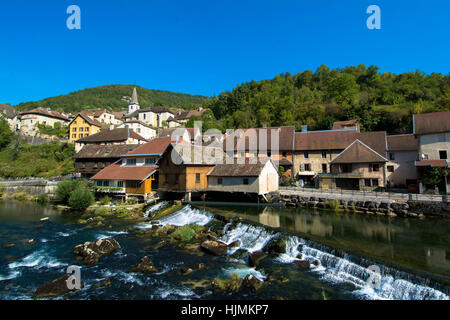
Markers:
(258, 178)
(275, 143)
(136, 173)
(93, 158)
(402, 154)
(83, 126)
(111, 137)
(315, 151)
(433, 133)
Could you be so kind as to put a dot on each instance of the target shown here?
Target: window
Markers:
(219, 181)
(81, 129)
(86, 129)
(324, 168)
(307, 167)
(306, 155)
(374, 182)
(74, 129)
(74, 136)
(197, 177)
(131, 162)
(367, 182)
(120, 184)
(80, 135)
(443, 154)
(106, 183)
(131, 184)
(324, 154)
(390, 168)
(150, 161)
(375, 167)
(284, 154)
(391, 156)
(245, 181)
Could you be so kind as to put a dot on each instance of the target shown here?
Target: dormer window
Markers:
(131, 162)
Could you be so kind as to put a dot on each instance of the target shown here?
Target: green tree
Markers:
(343, 89)
(5, 133)
(81, 198)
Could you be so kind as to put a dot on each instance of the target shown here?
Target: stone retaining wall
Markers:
(30, 186)
(409, 208)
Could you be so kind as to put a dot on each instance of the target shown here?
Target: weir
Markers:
(334, 266)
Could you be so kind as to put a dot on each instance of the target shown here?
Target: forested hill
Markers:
(382, 101)
(114, 97)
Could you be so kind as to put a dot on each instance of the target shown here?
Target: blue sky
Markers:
(208, 46)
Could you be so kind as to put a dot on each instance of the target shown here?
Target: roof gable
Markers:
(358, 152)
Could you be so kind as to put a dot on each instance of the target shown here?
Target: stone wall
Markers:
(30, 186)
(409, 208)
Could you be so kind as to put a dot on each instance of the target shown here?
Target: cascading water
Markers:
(332, 265)
(187, 215)
(156, 207)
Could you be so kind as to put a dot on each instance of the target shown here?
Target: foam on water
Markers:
(37, 259)
(242, 272)
(156, 207)
(336, 267)
(187, 215)
(109, 234)
(12, 275)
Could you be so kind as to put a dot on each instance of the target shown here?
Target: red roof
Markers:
(432, 163)
(435, 122)
(118, 172)
(402, 142)
(155, 146)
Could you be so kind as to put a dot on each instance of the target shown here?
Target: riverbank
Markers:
(347, 203)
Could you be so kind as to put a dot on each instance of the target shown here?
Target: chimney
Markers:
(304, 128)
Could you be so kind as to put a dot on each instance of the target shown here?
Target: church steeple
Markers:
(134, 103)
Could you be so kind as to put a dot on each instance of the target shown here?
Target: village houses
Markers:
(30, 119)
(110, 137)
(83, 126)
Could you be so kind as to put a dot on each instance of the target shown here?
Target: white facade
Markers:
(401, 168)
(141, 129)
(434, 146)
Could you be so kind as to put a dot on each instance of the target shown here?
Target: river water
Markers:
(411, 256)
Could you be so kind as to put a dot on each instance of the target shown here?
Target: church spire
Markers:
(134, 98)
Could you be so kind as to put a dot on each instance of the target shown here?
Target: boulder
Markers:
(54, 288)
(214, 247)
(302, 264)
(277, 246)
(185, 270)
(255, 257)
(240, 254)
(90, 252)
(200, 266)
(145, 266)
(253, 283)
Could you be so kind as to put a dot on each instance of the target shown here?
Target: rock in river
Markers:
(302, 264)
(145, 266)
(92, 251)
(214, 247)
(252, 282)
(54, 288)
(254, 258)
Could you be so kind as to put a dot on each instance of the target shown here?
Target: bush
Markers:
(81, 198)
(42, 198)
(102, 212)
(232, 284)
(333, 204)
(185, 233)
(105, 200)
(65, 189)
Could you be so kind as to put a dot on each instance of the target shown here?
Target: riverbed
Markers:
(412, 255)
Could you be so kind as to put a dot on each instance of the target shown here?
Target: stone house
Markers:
(433, 133)
(141, 128)
(102, 116)
(31, 118)
(402, 153)
(111, 137)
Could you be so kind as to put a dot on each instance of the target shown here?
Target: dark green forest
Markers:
(111, 97)
(381, 101)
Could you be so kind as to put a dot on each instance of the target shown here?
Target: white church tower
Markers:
(134, 103)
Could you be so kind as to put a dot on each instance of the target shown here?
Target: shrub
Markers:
(42, 198)
(81, 198)
(65, 189)
(186, 233)
(105, 200)
(333, 204)
(102, 212)
(23, 196)
(232, 284)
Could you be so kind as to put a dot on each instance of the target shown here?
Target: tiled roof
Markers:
(140, 122)
(116, 135)
(94, 113)
(402, 142)
(87, 119)
(436, 122)
(118, 115)
(237, 170)
(156, 146)
(432, 163)
(187, 114)
(131, 173)
(339, 140)
(104, 151)
(344, 124)
(263, 139)
(46, 113)
(358, 152)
